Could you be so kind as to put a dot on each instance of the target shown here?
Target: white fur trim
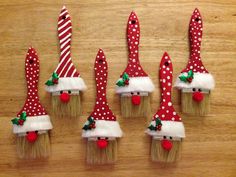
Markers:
(200, 80)
(67, 83)
(169, 128)
(137, 84)
(34, 123)
(104, 129)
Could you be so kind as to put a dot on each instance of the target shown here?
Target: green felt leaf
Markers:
(86, 127)
(15, 121)
(23, 116)
(55, 76)
(158, 121)
(151, 127)
(125, 77)
(190, 74)
(120, 83)
(49, 83)
(183, 78)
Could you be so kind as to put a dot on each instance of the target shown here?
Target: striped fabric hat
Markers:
(65, 77)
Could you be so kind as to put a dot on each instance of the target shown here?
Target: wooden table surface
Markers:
(210, 146)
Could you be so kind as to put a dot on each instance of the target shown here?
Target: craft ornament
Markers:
(166, 127)
(134, 85)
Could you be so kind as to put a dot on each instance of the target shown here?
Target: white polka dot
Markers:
(169, 104)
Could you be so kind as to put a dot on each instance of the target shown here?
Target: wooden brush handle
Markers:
(100, 68)
(64, 33)
(165, 74)
(195, 35)
(133, 35)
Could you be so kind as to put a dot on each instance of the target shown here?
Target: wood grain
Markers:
(209, 148)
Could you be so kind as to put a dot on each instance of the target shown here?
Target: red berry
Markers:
(20, 122)
(127, 82)
(55, 81)
(159, 127)
(190, 79)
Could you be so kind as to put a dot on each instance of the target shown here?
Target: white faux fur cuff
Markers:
(104, 129)
(200, 80)
(67, 83)
(34, 123)
(137, 84)
(169, 128)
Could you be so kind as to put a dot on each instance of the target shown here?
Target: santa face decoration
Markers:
(65, 83)
(195, 81)
(166, 128)
(32, 123)
(101, 128)
(134, 85)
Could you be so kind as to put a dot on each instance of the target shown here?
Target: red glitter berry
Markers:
(20, 122)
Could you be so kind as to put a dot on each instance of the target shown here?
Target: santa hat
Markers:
(65, 77)
(134, 78)
(32, 116)
(101, 122)
(195, 75)
(166, 122)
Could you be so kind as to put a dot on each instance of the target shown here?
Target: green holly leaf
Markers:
(49, 83)
(158, 121)
(151, 127)
(55, 75)
(15, 121)
(120, 83)
(190, 74)
(183, 78)
(86, 127)
(23, 116)
(125, 77)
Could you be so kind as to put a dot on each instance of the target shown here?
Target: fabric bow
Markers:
(157, 126)
(187, 78)
(123, 81)
(90, 124)
(19, 120)
(53, 80)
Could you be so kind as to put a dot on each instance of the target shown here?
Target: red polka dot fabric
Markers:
(195, 36)
(101, 109)
(166, 111)
(32, 105)
(134, 69)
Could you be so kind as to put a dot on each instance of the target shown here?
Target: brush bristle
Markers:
(189, 106)
(130, 110)
(70, 109)
(39, 149)
(161, 155)
(101, 156)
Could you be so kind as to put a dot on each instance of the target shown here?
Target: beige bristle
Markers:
(39, 149)
(101, 156)
(130, 110)
(70, 109)
(189, 106)
(162, 155)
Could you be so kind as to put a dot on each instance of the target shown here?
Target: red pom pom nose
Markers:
(166, 144)
(102, 143)
(198, 96)
(32, 137)
(65, 97)
(136, 99)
